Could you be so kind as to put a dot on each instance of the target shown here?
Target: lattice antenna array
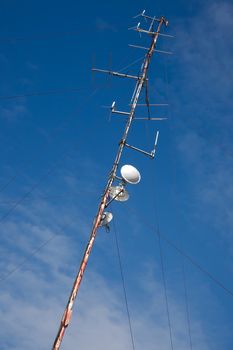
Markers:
(129, 174)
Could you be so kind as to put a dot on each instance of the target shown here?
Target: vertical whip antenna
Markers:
(130, 174)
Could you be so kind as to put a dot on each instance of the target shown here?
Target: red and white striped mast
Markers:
(141, 80)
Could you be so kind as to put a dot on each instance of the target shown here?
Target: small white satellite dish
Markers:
(130, 174)
(106, 218)
(119, 193)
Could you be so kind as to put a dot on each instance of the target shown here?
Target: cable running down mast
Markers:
(129, 173)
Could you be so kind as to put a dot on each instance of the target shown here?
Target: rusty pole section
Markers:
(140, 82)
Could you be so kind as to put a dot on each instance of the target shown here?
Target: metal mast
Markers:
(141, 80)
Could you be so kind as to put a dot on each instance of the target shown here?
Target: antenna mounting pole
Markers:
(141, 79)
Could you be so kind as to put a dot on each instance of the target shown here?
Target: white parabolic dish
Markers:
(119, 193)
(106, 218)
(130, 174)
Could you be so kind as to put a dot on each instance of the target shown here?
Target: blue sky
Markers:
(61, 147)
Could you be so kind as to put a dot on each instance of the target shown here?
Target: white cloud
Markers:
(203, 109)
(33, 298)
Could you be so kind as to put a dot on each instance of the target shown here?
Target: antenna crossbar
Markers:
(139, 150)
(120, 112)
(117, 74)
(150, 154)
(149, 17)
(153, 104)
(137, 29)
(146, 48)
(143, 118)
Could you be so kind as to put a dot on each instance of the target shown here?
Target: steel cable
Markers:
(12, 179)
(186, 300)
(159, 239)
(165, 289)
(123, 285)
(25, 260)
(22, 199)
(42, 93)
(185, 255)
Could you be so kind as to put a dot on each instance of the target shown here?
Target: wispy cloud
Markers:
(103, 25)
(3, 58)
(32, 66)
(33, 298)
(32, 303)
(14, 111)
(203, 108)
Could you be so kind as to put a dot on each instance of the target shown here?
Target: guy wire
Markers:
(160, 247)
(123, 284)
(170, 125)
